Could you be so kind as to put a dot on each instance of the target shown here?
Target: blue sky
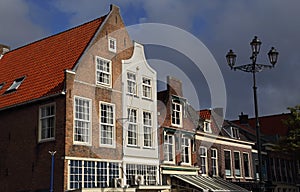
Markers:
(219, 24)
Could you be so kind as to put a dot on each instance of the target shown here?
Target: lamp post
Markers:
(254, 68)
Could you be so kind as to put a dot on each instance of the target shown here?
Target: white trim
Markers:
(216, 159)
(189, 149)
(89, 143)
(133, 123)
(173, 148)
(40, 140)
(147, 86)
(113, 145)
(218, 140)
(180, 114)
(152, 129)
(205, 157)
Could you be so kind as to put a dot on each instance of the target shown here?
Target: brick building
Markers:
(63, 93)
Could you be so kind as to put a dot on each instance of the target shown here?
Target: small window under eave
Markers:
(15, 85)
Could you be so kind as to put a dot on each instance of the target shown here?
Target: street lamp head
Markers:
(255, 45)
(231, 57)
(273, 56)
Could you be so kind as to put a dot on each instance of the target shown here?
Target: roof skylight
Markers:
(1, 85)
(16, 84)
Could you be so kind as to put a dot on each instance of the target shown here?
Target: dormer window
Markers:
(207, 127)
(176, 113)
(16, 84)
(235, 133)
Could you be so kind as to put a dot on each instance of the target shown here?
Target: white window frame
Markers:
(131, 83)
(89, 121)
(148, 125)
(249, 167)
(235, 132)
(177, 113)
(114, 48)
(109, 74)
(134, 123)
(167, 145)
(186, 143)
(214, 159)
(230, 158)
(15, 85)
(205, 158)
(146, 88)
(112, 125)
(47, 117)
(148, 171)
(240, 165)
(207, 126)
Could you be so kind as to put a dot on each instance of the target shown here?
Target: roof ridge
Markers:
(59, 33)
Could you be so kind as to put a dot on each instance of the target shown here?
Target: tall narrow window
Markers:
(107, 123)
(176, 114)
(82, 120)
(132, 127)
(214, 162)
(207, 127)
(237, 164)
(47, 122)
(203, 160)
(112, 44)
(131, 83)
(227, 155)
(103, 69)
(169, 148)
(186, 150)
(146, 86)
(147, 121)
(247, 164)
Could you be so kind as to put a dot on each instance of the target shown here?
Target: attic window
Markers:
(16, 84)
(1, 85)
(235, 133)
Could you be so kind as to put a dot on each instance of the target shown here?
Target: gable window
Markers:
(247, 164)
(207, 127)
(169, 148)
(132, 127)
(103, 71)
(237, 164)
(227, 155)
(112, 44)
(82, 124)
(176, 114)
(131, 83)
(203, 160)
(186, 150)
(147, 121)
(15, 85)
(107, 123)
(47, 122)
(214, 162)
(146, 86)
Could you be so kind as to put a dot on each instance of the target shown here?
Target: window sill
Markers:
(149, 148)
(107, 146)
(105, 86)
(133, 146)
(147, 99)
(132, 95)
(229, 177)
(46, 140)
(82, 143)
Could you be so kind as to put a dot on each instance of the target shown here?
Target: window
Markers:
(103, 71)
(207, 127)
(235, 133)
(214, 162)
(131, 83)
(132, 127)
(147, 121)
(47, 122)
(169, 148)
(112, 44)
(186, 150)
(16, 84)
(149, 173)
(107, 123)
(237, 164)
(92, 174)
(1, 85)
(203, 160)
(227, 155)
(146, 87)
(247, 164)
(82, 125)
(176, 113)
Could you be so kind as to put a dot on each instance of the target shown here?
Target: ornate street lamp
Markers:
(254, 68)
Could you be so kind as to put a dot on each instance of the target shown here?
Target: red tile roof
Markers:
(43, 63)
(205, 113)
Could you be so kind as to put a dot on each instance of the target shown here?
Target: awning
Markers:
(213, 184)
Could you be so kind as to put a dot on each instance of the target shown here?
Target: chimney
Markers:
(174, 86)
(243, 119)
(3, 49)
